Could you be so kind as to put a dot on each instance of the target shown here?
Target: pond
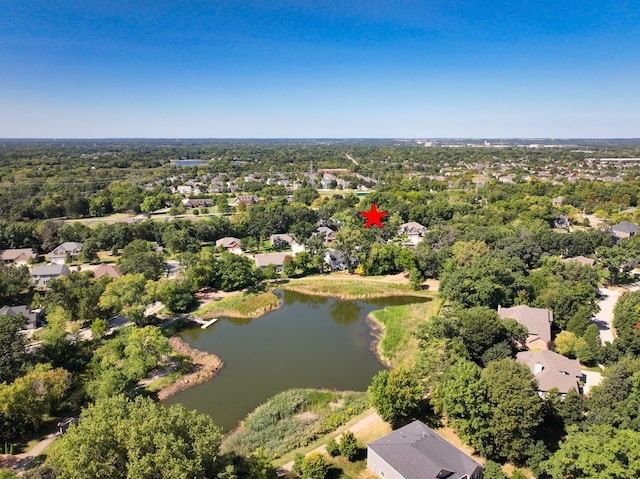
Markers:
(310, 341)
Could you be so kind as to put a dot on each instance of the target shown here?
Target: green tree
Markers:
(98, 328)
(13, 346)
(515, 408)
(332, 447)
(122, 438)
(348, 446)
(314, 466)
(139, 256)
(236, 272)
(126, 295)
(31, 398)
(462, 395)
(305, 195)
(598, 452)
(396, 395)
(15, 283)
(492, 470)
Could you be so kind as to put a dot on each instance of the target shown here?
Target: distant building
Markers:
(416, 451)
(557, 201)
(552, 370)
(327, 233)
(230, 243)
(624, 229)
(244, 199)
(111, 270)
(69, 248)
(41, 275)
(18, 257)
(414, 231)
(33, 317)
(277, 259)
(197, 202)
(580, 259)
(285, 241)
(536, 320)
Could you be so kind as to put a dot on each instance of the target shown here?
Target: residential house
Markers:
(245, 199)
(229, 243)
(70, 248)
(562, 222)
(337, 261)
(40, 275)
(414, 231)
(552, 370)
(197, 202)
(327, 233)
(285, 241)
(624, 229)
(34, 318)
(583, 260)
(416, 451)
(277, 259)
(18, 257)
(536, 320)
(110, 270)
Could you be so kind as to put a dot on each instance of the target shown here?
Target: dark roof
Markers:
(416, 452)
(16, 310)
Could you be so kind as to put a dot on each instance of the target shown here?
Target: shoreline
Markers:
(205, 366)
(347, 297)
(377, 331)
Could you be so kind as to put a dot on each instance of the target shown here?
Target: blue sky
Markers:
(286, 69)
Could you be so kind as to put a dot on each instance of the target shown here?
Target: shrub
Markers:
(332, 448)
(349, 446)
(314, 466)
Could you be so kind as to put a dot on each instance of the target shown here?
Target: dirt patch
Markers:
(205, 366)
(336, 405)
(304, 416)
(377, 331)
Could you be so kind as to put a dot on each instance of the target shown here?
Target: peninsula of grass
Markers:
(247, 305)
(295, 418)
(355, 288)
(398, 345)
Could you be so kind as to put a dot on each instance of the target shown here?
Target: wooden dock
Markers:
(203, 324)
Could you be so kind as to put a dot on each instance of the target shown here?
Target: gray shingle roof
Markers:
(49, 270)
(417, 452)
(625, 227)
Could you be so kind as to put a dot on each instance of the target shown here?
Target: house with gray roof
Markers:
(229, 243)
(277, 259)
(285, 241)
(415, 451)
(33, 317)
(70, 248)
(552, 370)
(624, 229)
(40, 275)
(536, 320)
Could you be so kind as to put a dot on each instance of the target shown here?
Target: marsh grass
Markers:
(247, 305)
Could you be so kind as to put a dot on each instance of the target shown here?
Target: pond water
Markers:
(310, 341)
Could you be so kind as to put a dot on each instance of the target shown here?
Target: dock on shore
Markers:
(203, 324)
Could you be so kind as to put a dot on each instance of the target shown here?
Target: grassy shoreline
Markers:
(394, 326)
(351, 289)
(243, 305)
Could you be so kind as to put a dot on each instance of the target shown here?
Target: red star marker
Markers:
(373, 216)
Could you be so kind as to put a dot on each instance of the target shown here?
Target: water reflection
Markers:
(344, 312)
(291, 297)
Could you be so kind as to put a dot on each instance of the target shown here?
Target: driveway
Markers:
(604, 318)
